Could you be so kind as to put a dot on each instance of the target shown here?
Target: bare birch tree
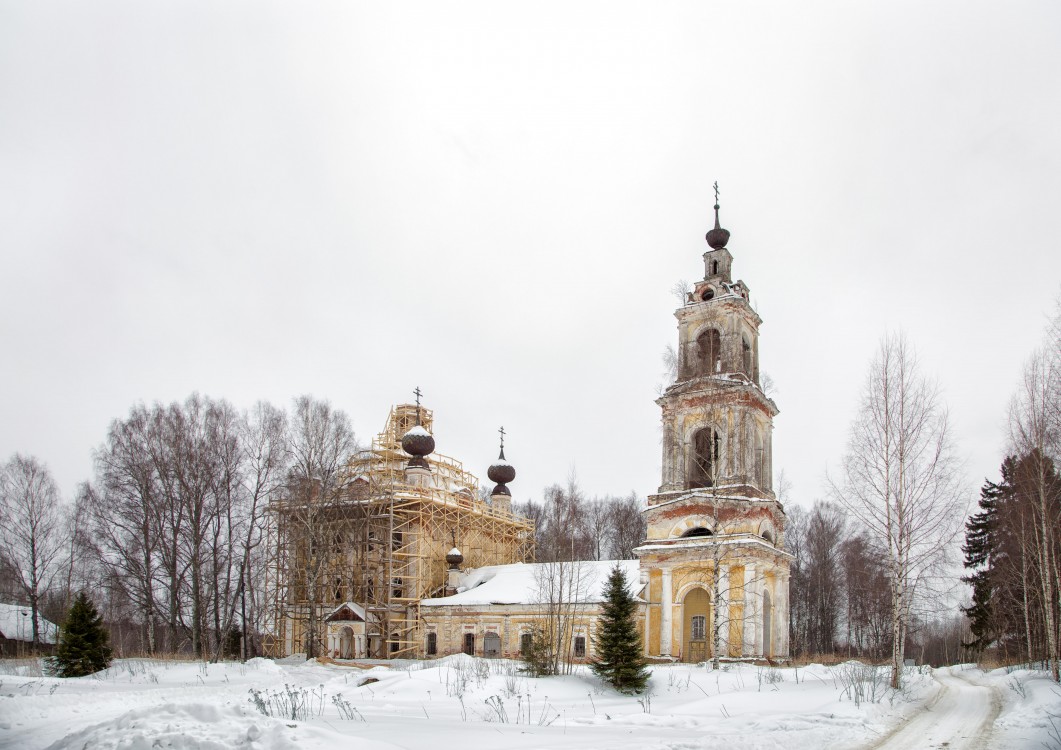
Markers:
(31, 525)
(562, 590)
(900, 480)
(321, 440)
(1035, 434)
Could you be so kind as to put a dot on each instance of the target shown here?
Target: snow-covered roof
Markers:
(16, 624)
(520, 583)
(357, 609)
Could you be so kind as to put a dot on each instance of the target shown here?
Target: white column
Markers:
(781, 622)
(752, 626)
(666, 613)
(723, 587)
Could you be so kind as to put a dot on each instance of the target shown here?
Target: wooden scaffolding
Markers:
(388, 539)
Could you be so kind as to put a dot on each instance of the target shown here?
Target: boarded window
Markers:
(432, 644)
(580, 646)
(492, 646)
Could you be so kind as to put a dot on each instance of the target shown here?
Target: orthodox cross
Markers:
(502, 431)
(716, 193)
(418, 395)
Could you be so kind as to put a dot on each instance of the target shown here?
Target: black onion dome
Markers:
(501, 471)
(418, 442)
(717, 237)
(454, 557)
(500, 489)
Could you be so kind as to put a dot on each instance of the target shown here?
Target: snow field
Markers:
(473, 703)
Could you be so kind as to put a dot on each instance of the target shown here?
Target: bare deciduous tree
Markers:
(1035, 433)
(562, 590)
(900, 480)
(321, 440)
(31, 525)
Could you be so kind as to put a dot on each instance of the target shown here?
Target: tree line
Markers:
(1013, 541)
(170, 537)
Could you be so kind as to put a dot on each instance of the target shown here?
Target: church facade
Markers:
(712, 574)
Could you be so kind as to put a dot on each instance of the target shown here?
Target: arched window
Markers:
(704, 459)
(714, 267)
(746, 356)
(698, 531)
(709, 344)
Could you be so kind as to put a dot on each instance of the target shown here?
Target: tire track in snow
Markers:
(959, 717)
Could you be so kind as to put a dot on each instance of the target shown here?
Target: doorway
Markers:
(695, 619)
(346, 643)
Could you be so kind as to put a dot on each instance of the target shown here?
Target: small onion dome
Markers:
(454, 557)
(500, 489)
(418, 442)
(717, 237)
(501, 471)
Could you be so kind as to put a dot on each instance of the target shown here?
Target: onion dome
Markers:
(502, 472)
(717, 237)
(454, 557)
(418, 442)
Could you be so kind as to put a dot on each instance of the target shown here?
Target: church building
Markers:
(712, 575)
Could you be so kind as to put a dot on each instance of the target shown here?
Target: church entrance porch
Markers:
(695, 618)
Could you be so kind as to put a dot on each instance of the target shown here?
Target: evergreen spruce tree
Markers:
(82, 648)
(619, 661)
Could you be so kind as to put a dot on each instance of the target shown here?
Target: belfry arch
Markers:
(706, 450)
(709, 351)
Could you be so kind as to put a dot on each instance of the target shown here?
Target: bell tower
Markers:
(714, 559)
(717, 421)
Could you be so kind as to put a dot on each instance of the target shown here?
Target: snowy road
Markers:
(959, 717)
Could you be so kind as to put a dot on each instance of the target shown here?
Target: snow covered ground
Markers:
(472, 704)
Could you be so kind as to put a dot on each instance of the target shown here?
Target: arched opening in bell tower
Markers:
(709, 345)
(704, 464)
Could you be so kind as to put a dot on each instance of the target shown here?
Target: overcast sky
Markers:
(492, 201)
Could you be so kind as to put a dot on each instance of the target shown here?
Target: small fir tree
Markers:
(535, 654)
(620, 660)
(82, 648)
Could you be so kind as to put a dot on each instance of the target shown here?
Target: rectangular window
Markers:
(699, 627)
(432, 644)
(469, 644)
(525, 643)
(580, 647)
